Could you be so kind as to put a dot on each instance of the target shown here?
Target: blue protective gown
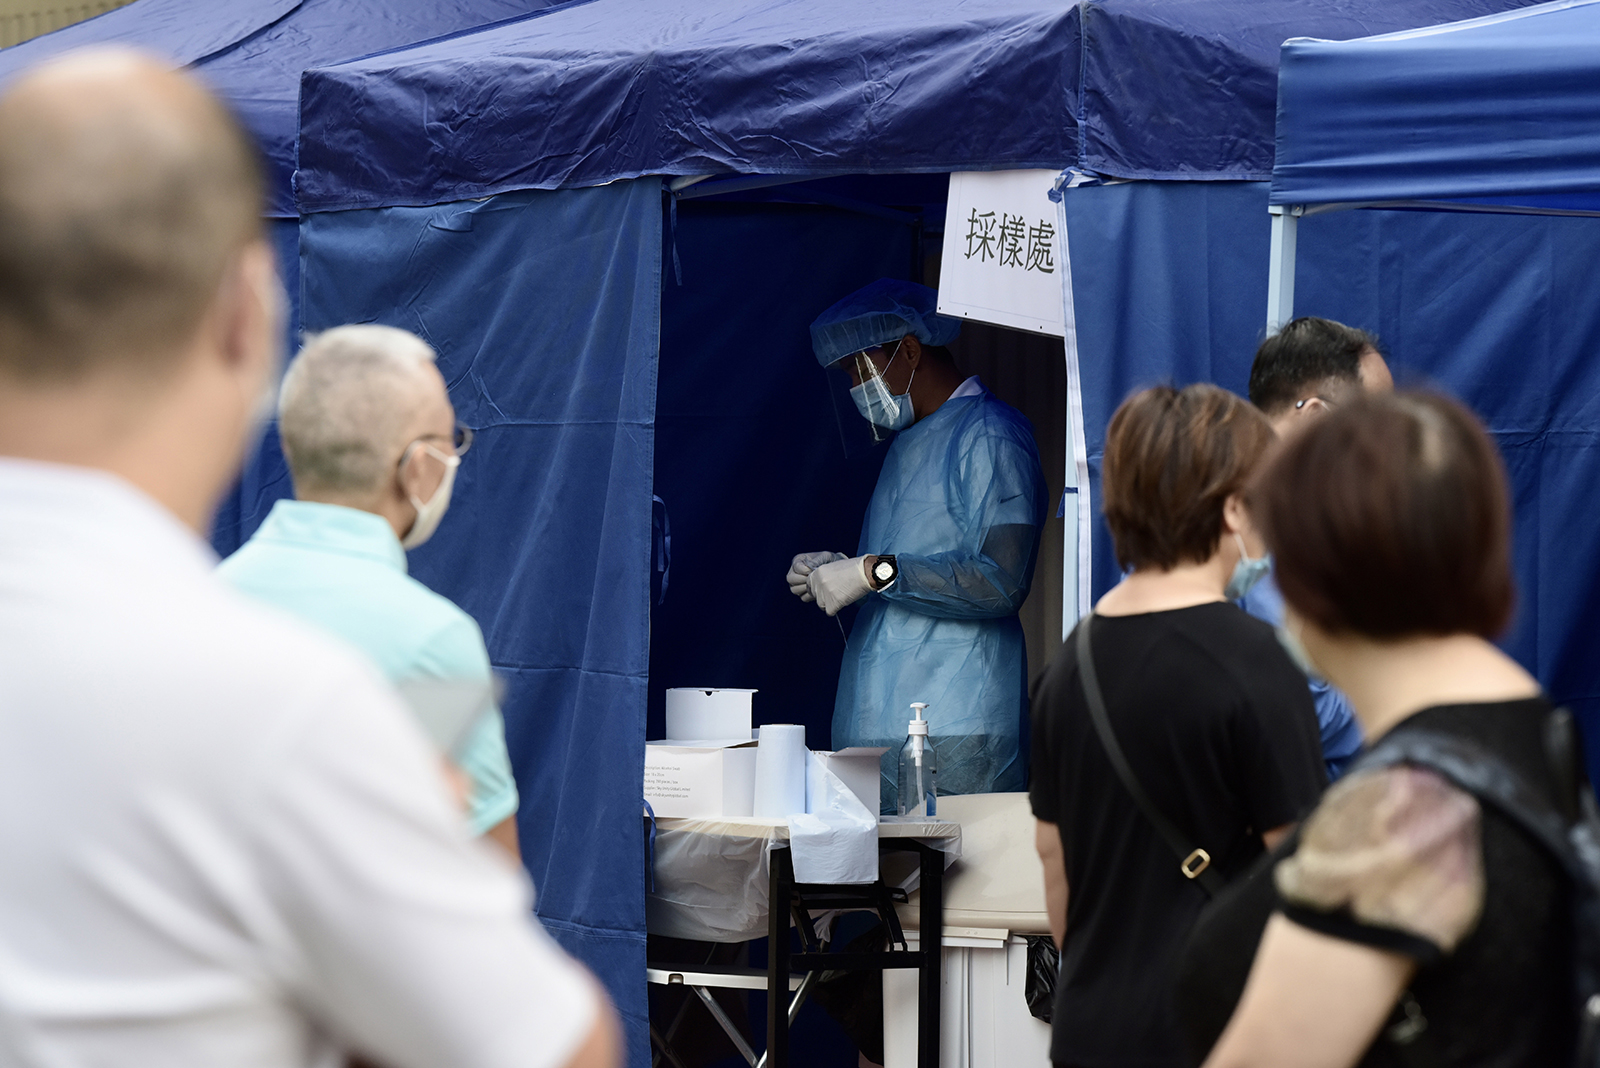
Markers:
(960, 503)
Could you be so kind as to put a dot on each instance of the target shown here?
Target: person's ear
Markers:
(408, 475)
(1235, 519)
(911, 350)
(251, 307)
(1312, 406)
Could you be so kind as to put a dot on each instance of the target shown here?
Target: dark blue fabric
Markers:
(183, 31)
(544, 308)
(614, 88)
(618, 88)
(1500, 107)
(253, 51)
(1177, 89)
(748, 453)
(1170, 285)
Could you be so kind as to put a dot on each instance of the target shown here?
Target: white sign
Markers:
(1002, 255)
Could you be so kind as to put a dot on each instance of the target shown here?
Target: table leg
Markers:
(780, 886)
(931, 973)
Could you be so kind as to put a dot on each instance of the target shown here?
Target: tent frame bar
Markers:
(1280, 267)
(691, 189)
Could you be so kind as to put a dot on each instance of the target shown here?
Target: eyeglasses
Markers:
(460, 440)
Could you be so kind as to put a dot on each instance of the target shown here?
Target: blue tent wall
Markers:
(544, 307)
(748, 452)
(1170, 285)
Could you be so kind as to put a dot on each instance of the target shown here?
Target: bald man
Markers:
(224, 841)
(373, 447)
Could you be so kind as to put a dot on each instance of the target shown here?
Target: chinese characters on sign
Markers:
(1011, 242)
(1003, 258)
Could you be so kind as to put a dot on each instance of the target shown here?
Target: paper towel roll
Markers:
(780, 770)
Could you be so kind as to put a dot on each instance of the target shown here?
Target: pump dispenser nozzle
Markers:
(918, 724)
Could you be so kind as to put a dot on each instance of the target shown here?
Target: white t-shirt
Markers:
(222, 840)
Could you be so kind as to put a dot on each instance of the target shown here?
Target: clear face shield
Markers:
(867, 410)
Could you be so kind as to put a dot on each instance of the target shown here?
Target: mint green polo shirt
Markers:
(344, 571)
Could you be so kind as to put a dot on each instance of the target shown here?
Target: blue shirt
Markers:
(344, 571)
(1342, 739)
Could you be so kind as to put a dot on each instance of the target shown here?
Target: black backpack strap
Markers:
(1482, 773)
(1194, 862)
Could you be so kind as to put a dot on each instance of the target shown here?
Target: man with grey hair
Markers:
(373, 448)
(225, 841)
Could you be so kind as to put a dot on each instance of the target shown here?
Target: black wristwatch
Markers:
(884, 572)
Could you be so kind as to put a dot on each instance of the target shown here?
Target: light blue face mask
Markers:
(1247, 572)
(878, 406)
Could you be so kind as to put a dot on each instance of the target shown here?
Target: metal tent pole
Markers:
(1280, 269)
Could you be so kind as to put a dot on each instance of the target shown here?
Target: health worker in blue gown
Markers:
(947, 548)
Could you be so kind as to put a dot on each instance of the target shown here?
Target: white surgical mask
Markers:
(878, 406)
(432, 510)
(1247, 572)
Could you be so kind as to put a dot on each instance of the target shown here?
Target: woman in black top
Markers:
(1405, 924)
(1215, 720)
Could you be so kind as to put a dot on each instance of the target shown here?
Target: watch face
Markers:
(884, 571)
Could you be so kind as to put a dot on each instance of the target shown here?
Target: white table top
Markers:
(778, 827)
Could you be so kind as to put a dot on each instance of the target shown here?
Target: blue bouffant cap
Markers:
(884, 311)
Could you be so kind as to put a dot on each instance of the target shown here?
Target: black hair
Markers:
(1306, 353)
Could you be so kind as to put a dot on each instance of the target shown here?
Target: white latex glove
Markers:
(840, 583)
(801, 569)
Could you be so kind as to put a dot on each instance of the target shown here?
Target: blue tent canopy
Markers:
(253, 51)
(1498, 112)
(591, 93)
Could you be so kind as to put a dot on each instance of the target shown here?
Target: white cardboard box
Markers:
(708, 712)
(693, 779)
(860, 769)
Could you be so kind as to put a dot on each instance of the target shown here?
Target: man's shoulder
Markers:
(272, 571)
(425, 632)
(194, 658)
(988, 418)
(1229, 634)
(1264, 601)
(262, 639)
(439, 610)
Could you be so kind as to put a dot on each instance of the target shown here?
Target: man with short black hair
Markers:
(1303, 371)
(225, 841)
(1312, 365)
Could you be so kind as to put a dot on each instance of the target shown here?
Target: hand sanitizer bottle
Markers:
(918, 796)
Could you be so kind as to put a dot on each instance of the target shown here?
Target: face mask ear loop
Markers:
(411, 498)
(400, 483)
